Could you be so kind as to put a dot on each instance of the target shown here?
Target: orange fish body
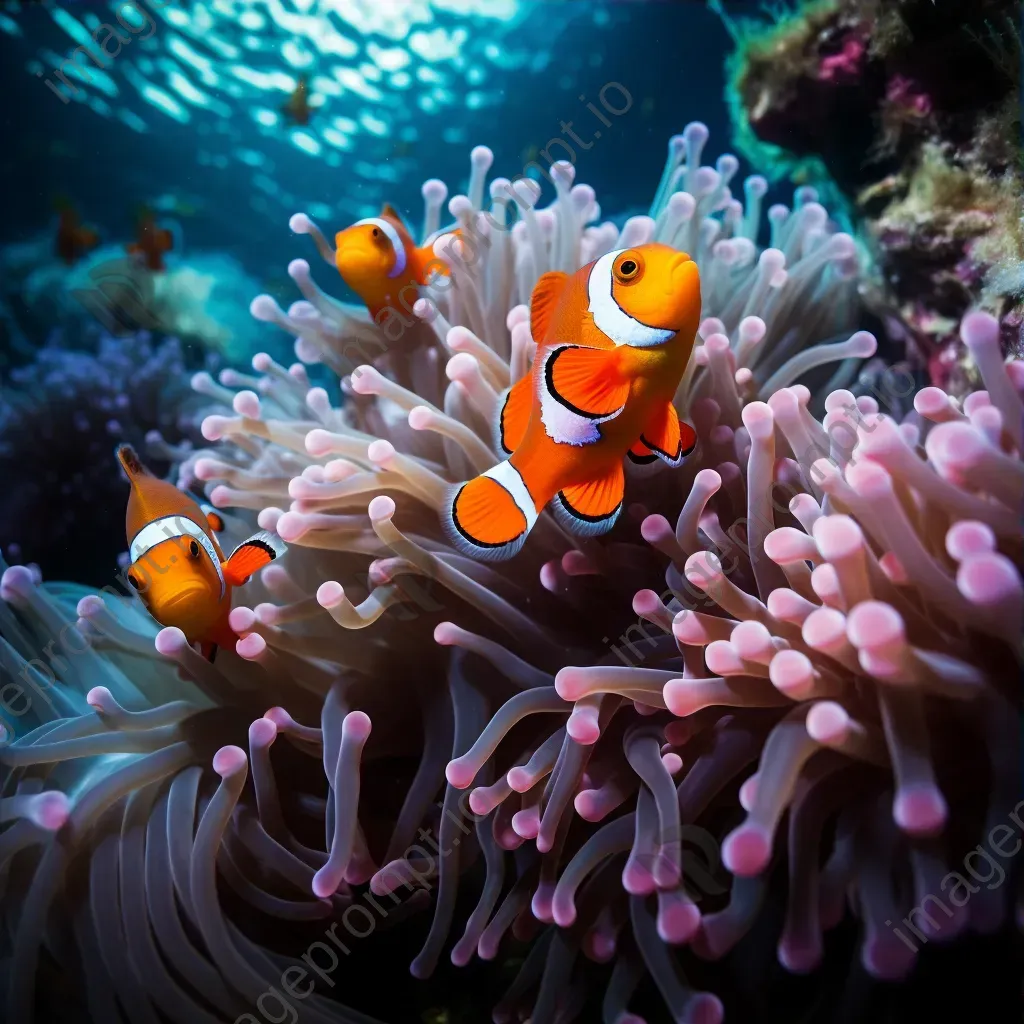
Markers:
(298, 108)
(177, 565)
(379, 261)
(613, 342)
(152, 243)
(73, 240)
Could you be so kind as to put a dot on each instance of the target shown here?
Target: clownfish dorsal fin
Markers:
(544, 302)
(130, 462)
(391, 213)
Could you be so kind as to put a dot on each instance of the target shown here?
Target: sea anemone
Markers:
(799, 646)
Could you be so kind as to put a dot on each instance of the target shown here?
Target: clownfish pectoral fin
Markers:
(641, 455)
(667, 437)
(490, 517)
(427, 262)
(544, 302)
(514, 417)
(586, 381)
(426, 265)
(590, 509)
(250, 556)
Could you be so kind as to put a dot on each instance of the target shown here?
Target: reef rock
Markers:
(61, 415)
(909, 109)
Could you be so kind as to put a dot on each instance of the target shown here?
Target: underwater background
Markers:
(187, 121)
(148, 204)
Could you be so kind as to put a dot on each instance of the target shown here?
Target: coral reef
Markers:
(61, 416)
(807, 623)
(926, 160)
(201, 298)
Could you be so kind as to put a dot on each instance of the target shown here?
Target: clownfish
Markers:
(298, 109)
(151, 242)
(378, 260)
(177, 565)
(73, 240)
(613, 340)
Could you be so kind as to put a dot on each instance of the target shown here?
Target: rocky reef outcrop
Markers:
(910, 111)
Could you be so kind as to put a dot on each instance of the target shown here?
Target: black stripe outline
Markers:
(672, 458)
(641, 460)
(253, 542)
(476, 542)
(501, 424)
(581, 516)
(549, 383)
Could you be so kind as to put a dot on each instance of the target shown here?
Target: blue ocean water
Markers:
(185, 115)
(177, 106)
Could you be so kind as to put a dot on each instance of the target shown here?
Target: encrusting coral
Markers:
(60, 416)
(201, 298)
(927, 162)
(813, 623)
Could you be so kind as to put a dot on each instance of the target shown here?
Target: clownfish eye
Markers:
(376, 232)
(134, 581)
(193, 549)
(628, 268)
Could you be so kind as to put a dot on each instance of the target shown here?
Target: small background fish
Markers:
(377, 258)
(152, 242)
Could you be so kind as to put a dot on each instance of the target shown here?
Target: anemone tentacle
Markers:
(803, 626)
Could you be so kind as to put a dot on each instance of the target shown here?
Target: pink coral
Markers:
(845, 65)
(906, 94)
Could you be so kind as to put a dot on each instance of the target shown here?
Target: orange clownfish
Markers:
(298, 109)
(177, 565)
(74, 240)
(152, 242)
(613, 341)
(379, 261)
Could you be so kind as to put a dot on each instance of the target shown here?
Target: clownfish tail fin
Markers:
(489, 517)
(130, 462)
